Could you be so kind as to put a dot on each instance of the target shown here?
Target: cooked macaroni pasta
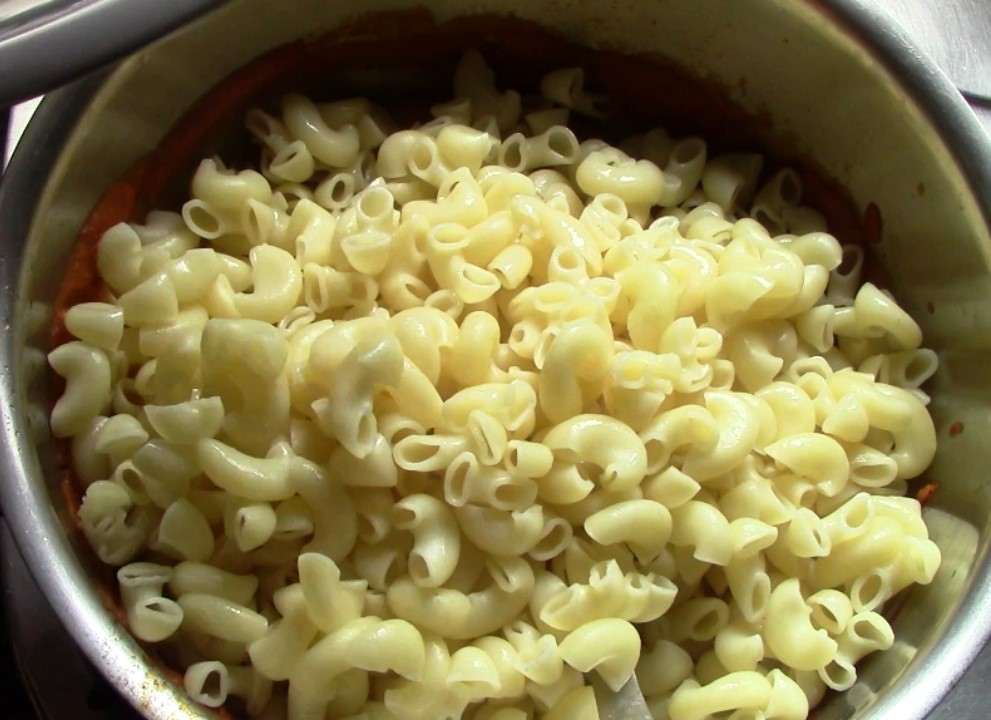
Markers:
(430, 423)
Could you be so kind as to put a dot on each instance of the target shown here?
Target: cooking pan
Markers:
(830, 81)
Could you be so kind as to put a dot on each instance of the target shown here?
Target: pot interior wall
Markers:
(826, 98)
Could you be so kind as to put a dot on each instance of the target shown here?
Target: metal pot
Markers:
(849, 89)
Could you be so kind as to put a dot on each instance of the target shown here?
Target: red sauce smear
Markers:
(926, 493)
(955, 429)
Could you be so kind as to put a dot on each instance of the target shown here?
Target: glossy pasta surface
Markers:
(429, 422)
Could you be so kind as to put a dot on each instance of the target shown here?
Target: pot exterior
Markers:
(839, 87)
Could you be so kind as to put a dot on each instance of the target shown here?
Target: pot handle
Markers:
(48, 44)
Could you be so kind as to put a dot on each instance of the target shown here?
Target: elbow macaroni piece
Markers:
(428, 423)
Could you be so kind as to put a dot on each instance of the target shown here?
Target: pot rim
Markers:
(45, 548)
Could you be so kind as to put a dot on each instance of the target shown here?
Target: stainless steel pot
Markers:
(832, 75)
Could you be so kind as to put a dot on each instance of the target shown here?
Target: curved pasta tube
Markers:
(609, 593)
(264, 479)
(644, 525)
(415, 396)
(221, 618)
(610, 446)
(184, 532)
(537, 656)
(376, 469)
(905, 417)
(789, 700)
(118, 257)
(189, 577)
(792, 408)
(330, 602)
(671, 487)
(276, 653)
(466, 481)
(652, 293)
(739, 429)
(500, 532)
(474, 673)
(814, 456)
(150, 616)
(560, 229)
(471, 354)
(557, 145)
(880, 541)
(638, 384)
(513, 404)
(430, 696)
(309, 234)
(578, 361)
(807, 536)
(663, 668)
(730, 180)
(337, 148)
(95, 323)
(188, 422)
(347, 414)
(750, 586)
(474, 79)
(277, 282)
(428, 453)
(368, 644)
(610, 646)
(207, 682)
(436, 538)
(874, 312)
(153, 301)
(424, 334)
(459, 205)
(242, 362)
(789, 632)
(114, 527)
(335, 524)
(226, 189)
(458, 615)
(747, 689)
(609, 171)
(462, 146)
(759, 351)
(249, 525)
(92, 465)
(87, 374)
(702, 526)
(739, 647)
(688, 425)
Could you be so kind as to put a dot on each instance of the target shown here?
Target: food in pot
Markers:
(428, 422)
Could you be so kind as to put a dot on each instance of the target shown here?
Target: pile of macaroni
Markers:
(428, 423)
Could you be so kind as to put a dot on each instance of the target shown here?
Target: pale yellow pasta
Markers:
(336, 148)
(151, 616)
(644, 525)
(466, 615)
(437, 541)
(189, 577)
(475, 80)
(429, 423)
(789, 632)
(609, 171)
(184, 533)
(610, 647)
